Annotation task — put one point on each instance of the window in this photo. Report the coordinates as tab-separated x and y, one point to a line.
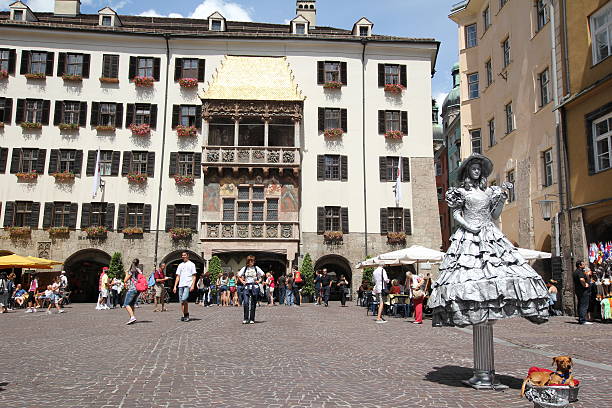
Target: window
250	205
66	162
221	132
6	106
300	28
476	141
491	125
135	216
548	167
602	141
182	215
392	74
72	112
29	160
332	72
23	214
438	168
601	33
471	39
502	3
272	209
139	162
185	164
332	219
229	211
486	18
440	193
395	222
61	215
392	121
364	31
506	51
107	21
544	79
18	15
106	162
392	168
74	64
110	66
332	119
34	111
511	192
38	63
281	132
97	216
190	67
509	118
142	114
473	85
332	167
216	25
187	115
5	56
489	71
251	132
542	14
108	114
145	67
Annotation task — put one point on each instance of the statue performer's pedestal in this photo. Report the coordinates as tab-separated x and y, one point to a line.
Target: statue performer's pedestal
484	360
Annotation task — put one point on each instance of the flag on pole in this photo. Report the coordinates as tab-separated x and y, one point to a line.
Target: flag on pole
398	184
97	181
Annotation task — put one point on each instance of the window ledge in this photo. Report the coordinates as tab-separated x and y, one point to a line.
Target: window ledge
542	107
599	62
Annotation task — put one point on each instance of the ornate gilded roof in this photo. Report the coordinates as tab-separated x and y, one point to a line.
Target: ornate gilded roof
254	79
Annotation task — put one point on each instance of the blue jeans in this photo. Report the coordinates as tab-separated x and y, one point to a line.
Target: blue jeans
130	298
249	301
183	294
281	295
583	304
289	298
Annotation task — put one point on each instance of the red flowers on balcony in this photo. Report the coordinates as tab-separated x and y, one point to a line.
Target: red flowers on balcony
31	125
72	78
27	176
394	134
138	178
396	237
183	180
180	233
394	88
333	132
68	126
186	131
332	85
188	82
39	75
58	231
64	176
143	81
140	130
96	232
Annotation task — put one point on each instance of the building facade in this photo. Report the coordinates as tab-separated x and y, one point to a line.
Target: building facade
216	137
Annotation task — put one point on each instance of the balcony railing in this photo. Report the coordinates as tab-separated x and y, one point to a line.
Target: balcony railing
250	230
250	156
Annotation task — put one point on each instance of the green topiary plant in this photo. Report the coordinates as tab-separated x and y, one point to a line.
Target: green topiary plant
115	268
307	275
214	268
368	275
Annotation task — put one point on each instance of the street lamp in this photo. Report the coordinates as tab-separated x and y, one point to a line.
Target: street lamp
546	206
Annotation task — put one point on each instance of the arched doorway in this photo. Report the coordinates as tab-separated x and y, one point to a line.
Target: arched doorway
172	261
83	270
336	265
267	261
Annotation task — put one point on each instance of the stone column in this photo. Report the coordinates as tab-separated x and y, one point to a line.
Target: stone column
266	132
236	124
205	132
296	132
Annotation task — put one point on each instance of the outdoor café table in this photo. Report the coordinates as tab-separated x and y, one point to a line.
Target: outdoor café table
397	299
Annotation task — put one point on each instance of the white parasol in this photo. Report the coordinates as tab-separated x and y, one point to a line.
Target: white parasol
415	253
531	254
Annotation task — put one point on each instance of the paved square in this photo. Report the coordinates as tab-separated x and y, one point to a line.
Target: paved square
293	357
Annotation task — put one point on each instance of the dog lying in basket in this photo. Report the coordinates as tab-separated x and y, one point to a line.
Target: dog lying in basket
541	377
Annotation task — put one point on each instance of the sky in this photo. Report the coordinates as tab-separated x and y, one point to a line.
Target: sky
405	18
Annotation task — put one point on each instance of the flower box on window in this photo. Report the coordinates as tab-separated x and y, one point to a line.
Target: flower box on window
394	134
332	85
183	180
132	231
28	176
58	231
180	233
96	231
332	236
188	82
140	130
137	178
143	81
64	176
31	125
106	80
68	126
105	128
19	232
73	78
394	88
3	74
40	75
334	132
396	237
186	131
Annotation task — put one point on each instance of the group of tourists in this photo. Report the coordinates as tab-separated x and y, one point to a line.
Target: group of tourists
13	295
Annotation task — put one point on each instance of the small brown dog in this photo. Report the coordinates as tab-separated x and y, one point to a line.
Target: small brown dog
563	375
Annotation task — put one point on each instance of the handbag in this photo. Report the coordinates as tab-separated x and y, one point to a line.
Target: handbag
384	291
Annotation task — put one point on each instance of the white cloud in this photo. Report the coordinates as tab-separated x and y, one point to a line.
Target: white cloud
231	11
34	5
439	97
153	13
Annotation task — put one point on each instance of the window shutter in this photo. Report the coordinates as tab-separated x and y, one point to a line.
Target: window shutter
48	215
172	166
83	114
405	169
46	112
85	214
197	165
175	115
25	59
109	217
78	163
35	215
132	69
20	111
201	70
343	76
15	160
156	68
382	127
193	218
115	66
320	220
72	219
86	64
403	76
151	164
121	217
407	222
147	218
115	163
343	120
320	167
381	74
170	217
178	68
343	168
8	111
320	72
127	161
50	58
321	119
53	159
9	211
12	60
119	117
61	63
404	115
153	121
95	113
90	169
198	119
57	113
40	161
3	159
384	218
344	220
129	116
382	168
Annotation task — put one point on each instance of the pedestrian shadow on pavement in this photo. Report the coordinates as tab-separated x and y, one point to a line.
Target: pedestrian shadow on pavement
142	321
453	375
2	385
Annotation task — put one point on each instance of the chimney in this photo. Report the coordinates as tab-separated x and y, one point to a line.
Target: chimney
68	8
308	10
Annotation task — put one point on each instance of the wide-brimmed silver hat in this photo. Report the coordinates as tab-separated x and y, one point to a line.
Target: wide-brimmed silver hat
485	163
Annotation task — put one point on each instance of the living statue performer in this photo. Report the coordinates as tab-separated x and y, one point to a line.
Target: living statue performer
483	278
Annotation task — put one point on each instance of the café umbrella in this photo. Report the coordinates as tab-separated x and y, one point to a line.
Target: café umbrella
45	261
18	261
530	254
376	261
415	253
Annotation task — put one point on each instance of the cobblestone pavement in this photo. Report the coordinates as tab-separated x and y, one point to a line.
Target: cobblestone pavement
293	357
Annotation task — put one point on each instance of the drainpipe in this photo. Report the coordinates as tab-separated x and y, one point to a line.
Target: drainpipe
163	148
364	42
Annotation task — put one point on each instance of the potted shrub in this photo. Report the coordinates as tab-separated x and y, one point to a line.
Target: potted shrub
137	178
333	132
394	134
143	81
140	130
19	232
106	80
188	82
3	74
97	231
67	127
180	233
307	271
105	128
28	176
31	125
63	176
40	75
332	237
72	78
132	231
394	88
183	180
396	237
186	131
58	231
332	85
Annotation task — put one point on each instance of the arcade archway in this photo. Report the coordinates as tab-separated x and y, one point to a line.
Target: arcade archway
83	270
336	265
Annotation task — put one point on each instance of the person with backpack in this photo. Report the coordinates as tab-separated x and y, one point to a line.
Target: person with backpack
133	276
250	275
298	285
185	281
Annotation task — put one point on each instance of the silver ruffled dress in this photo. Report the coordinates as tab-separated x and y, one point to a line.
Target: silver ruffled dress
482	276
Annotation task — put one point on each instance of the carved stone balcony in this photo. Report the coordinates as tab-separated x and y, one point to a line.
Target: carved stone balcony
241	156
277	230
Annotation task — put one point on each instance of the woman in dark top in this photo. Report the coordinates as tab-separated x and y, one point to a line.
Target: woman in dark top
343	288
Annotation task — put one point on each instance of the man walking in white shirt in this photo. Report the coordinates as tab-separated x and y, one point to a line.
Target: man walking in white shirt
185	281
380	290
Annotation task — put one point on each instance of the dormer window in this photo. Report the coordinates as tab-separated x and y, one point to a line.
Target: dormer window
18	15
364	31
363	28
300	28
107	21
108	18
216	25
216	22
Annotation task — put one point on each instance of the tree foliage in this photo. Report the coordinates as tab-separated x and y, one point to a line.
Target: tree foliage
307	275
368	275
214	268
116	269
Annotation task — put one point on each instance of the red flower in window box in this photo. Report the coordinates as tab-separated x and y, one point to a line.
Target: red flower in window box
186	131
96	232
105	128
19	232
394	134
332	85
109	80
180	233
3	74
68	126
137	178
40	75
140	130
58	231
334	132
183	180
132	230
28	176
188	82
143	81
31	125
73	78
394	88
396	237
64	176
332	236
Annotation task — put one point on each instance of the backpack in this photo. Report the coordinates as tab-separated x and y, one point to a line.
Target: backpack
151	281
298	277
141	283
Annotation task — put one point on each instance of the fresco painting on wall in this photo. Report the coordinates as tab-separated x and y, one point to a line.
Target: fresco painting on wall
210	199
289	199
